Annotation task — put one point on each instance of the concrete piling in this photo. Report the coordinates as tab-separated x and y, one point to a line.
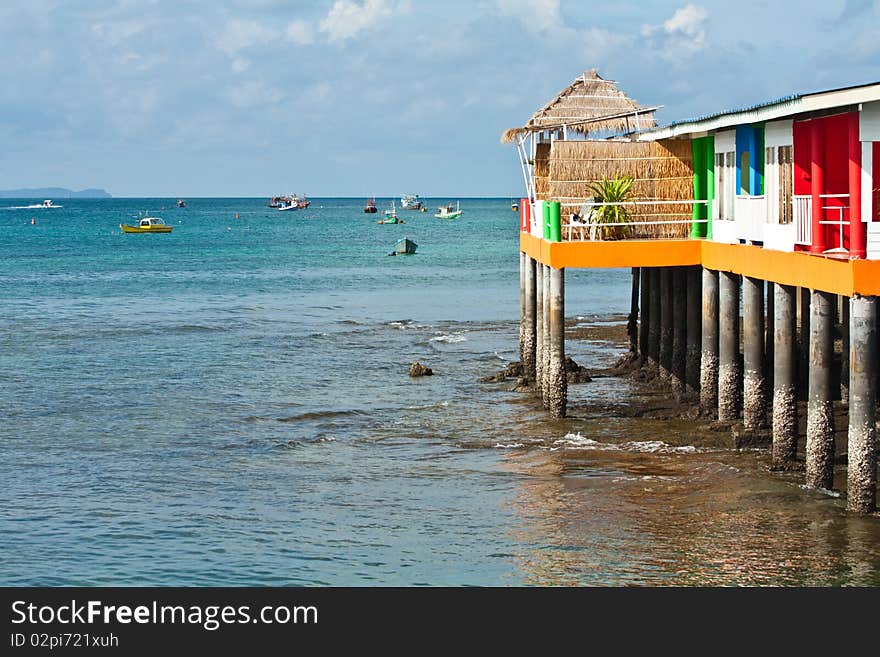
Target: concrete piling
709	342
654	323
754	385
539	329
769	343
557	383
803	339
785	422
527	323
861	475
694	330
679	329
545	388
522	305
820	421
644	310
632	321
844	352
666	330
729	374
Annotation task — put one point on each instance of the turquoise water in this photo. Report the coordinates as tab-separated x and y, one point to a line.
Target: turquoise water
230	404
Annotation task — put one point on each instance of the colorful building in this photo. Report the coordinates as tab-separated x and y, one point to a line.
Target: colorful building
754	238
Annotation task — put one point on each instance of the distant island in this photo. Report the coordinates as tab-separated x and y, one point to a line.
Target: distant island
53	192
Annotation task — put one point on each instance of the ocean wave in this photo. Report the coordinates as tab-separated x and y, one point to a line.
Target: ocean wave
509	446
428	407
449	339
577	441
823	491
304	417
657	447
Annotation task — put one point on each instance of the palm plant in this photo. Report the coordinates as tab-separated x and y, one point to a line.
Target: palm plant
612	190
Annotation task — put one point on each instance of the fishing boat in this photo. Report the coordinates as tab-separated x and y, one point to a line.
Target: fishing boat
277	201
370	206
514	206
449	211
410	202
390	216
181	203
404	246
301	203
147	225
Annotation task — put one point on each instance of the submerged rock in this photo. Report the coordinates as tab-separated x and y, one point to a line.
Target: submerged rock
417	369
512	371
575	373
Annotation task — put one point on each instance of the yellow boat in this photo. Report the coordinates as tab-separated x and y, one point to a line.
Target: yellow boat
147	225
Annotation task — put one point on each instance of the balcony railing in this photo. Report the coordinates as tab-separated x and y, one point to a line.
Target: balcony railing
803	219
582	226
750	213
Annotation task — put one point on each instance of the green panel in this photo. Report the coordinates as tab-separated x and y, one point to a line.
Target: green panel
555	221
703	152
710	184
546	220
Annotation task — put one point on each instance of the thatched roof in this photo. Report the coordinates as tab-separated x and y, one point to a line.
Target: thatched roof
588	104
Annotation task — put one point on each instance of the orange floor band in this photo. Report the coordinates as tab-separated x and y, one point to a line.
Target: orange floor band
846	277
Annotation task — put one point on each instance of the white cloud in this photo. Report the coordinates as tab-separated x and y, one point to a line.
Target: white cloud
240	34
684	31
539	15
240	65
346	18
300	32
252	93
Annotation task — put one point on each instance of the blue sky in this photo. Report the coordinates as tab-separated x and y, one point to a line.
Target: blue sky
360	97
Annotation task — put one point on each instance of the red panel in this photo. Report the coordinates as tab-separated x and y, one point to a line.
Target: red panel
801	133
876	182
833	131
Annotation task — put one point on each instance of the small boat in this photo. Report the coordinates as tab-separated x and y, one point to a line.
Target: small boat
292	202
181	203
370	206
390	216
514	206
287	203
277	201
147	225
449	211
404	246
410	202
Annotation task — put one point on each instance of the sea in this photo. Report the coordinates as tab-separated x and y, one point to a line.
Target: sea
230	404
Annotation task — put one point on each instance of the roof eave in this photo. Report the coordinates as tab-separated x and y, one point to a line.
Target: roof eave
814	102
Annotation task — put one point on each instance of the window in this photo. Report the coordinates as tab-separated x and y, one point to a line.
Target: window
725	184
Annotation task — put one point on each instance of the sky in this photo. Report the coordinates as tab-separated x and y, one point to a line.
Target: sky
373	97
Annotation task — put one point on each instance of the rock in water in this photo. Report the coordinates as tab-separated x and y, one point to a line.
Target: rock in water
417	369
575	373
514	370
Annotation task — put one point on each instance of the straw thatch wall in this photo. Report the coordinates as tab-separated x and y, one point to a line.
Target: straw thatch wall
542	170
661	170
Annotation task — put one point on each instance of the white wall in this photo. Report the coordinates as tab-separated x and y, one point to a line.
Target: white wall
778	133
869	122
